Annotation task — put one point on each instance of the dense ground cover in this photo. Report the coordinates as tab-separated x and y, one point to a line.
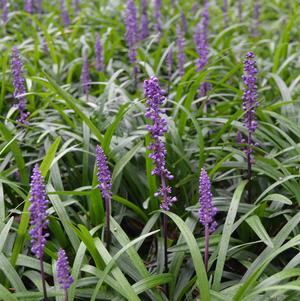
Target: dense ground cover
76	101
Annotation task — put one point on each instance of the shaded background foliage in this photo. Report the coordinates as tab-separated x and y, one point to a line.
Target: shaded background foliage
254	252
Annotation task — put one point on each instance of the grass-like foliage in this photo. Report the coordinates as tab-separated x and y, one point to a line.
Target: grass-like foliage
149	150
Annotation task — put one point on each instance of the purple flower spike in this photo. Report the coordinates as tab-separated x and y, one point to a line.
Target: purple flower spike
45	46
99	54
76	6
4	7
201	42
207	211
105	185
250	93
64	14
131	31
38	5
157	16
19	85
184	24
250	98
180	49
225	12
63	273
29	6
201	39
38	213
155	98
144	20
85	76
104	176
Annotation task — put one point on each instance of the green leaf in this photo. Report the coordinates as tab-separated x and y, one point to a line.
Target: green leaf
256	225
72	104
202	280
22	230
226	234
125	159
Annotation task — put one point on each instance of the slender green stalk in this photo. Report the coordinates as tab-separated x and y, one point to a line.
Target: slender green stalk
107	227
43	278
206	248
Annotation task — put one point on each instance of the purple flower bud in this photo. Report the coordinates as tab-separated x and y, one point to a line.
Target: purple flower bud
85	76
157	16
201	43
180	49
38	5
29	6
63	274
201	39
155	98
64	14
207	211
250	102
225	12
76	6
19	85
250	93
4	7
45	46
104	176
184	24
239	138
38	213
131	30
144	20
99	54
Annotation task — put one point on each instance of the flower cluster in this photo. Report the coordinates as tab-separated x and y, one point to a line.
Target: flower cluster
64	14
29	6
144	20
184	24
155	98
201	42
63	274
104	176
157	16
4	7
38	213
131	30
19	85
38	4
225	12
76	6
180	49
99	54
207	211
250	102
250	93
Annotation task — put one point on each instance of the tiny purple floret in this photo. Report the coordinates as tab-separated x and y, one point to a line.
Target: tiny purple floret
155	98
38	213
207	211
180	49
63	273
99	54
104	176
19	85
